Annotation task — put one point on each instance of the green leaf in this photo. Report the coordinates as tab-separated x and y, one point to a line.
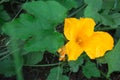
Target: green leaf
92	9
108	4
7	67
37	26
21	28
50	11
117	5
90	70
116	18
101	60
74	65
113	58
56	74
69	4
96	5
3	15
117	34
103	17
33	58
111	4
110	20
92	14
51	42
2	1
107	20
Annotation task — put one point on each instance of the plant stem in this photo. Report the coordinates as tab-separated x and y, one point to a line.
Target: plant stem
103	29
45	65
18	63
79	9
103	74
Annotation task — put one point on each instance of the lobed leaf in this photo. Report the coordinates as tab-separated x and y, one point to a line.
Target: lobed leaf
56	74
90	70
47	12
38	27
112	59
74	65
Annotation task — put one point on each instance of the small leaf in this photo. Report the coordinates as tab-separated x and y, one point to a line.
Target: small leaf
56	74
90	70
7	67
33	58
113	58
74	65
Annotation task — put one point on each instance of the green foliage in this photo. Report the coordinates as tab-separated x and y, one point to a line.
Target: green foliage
101	60
102	12
7	67
90	70
111	4
74	65
92	10
69	4
34	31
17	57
33	58
56	74
2	1
56	13
39	25
107	20
116	18
112	59
117	34
3	16
92	4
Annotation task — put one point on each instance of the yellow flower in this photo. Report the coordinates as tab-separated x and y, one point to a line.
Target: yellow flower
82	37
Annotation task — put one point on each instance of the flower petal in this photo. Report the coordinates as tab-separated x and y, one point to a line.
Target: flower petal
71	28
98	44
74	28
73	50
87	29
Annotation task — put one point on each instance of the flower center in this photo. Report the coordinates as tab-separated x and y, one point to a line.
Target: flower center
79	40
